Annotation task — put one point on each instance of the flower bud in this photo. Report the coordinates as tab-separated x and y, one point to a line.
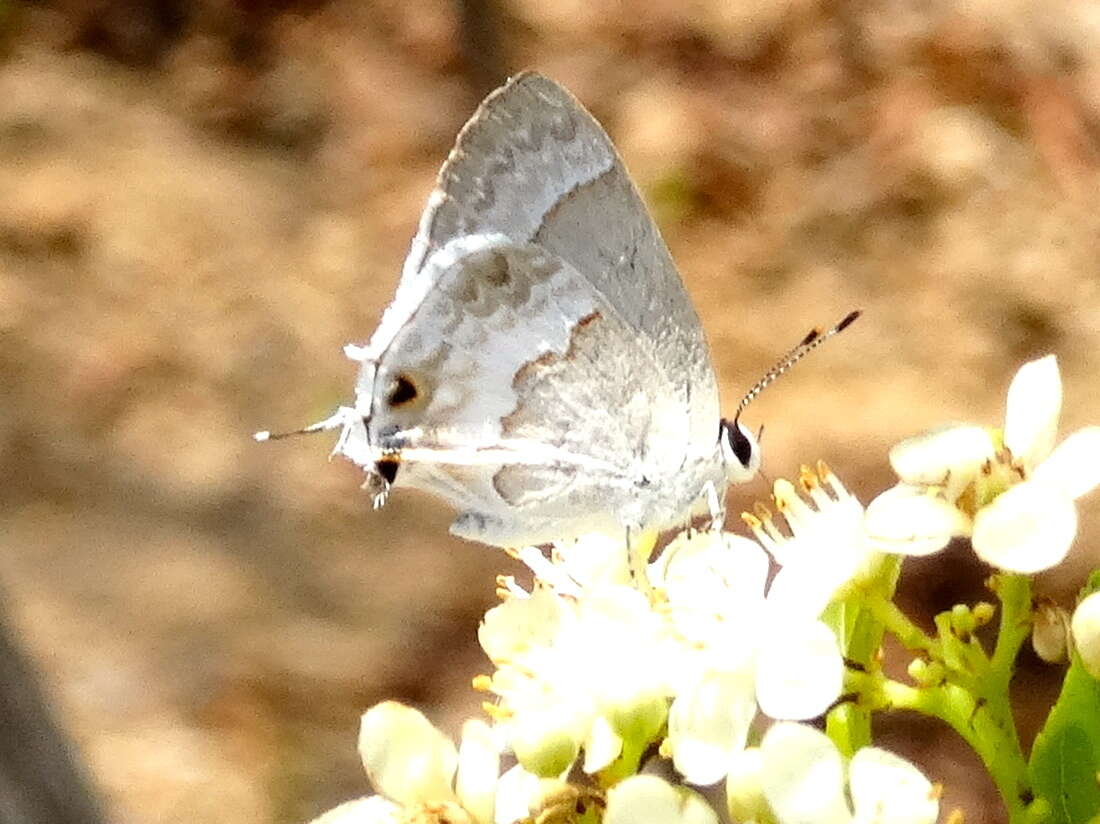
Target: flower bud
639	719
926	673
545	744
1050	633
407	759
984	612
1086	633
962	620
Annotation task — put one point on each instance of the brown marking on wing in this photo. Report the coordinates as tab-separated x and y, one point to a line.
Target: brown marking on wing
532	368
519	485
494	277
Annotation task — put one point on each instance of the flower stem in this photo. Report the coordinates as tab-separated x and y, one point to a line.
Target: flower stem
849	727
1014	592
859	630
975	701
983	726
901	626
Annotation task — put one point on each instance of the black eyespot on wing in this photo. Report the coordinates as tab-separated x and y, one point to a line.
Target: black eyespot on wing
739	443
387	469
404	391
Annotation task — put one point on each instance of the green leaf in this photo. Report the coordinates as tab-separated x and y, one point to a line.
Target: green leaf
1065	760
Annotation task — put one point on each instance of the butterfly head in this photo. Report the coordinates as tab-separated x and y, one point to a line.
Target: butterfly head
740	451
740	448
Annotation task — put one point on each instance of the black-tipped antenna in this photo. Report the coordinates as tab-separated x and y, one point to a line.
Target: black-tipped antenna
814	339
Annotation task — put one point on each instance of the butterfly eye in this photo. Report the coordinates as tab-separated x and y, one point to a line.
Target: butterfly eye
740	444
403	392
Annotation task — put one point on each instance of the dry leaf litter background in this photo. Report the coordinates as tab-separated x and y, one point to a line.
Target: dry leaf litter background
200	203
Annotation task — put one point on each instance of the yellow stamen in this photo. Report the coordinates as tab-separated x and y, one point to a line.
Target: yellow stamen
495	711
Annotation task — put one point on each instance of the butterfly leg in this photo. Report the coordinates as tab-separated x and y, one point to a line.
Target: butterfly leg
716	506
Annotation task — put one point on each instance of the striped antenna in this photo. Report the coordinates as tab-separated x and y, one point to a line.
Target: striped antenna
814	339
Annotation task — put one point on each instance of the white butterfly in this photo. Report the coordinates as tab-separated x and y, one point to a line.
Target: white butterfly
541	367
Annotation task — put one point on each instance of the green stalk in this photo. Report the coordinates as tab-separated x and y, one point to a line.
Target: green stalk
902	627
1014	591
988	731
860	632
974	701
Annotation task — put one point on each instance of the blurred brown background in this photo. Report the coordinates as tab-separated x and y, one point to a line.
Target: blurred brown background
200	203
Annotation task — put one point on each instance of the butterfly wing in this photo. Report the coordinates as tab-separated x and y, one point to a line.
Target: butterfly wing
535	247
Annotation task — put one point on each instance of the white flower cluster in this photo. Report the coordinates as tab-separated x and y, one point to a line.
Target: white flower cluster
797	775
1010	490
593	670
592	665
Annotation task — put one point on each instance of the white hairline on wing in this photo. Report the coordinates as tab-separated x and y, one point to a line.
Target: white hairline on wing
508	452
503	451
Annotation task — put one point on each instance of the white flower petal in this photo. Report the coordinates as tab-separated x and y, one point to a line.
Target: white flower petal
602	746
907	520
370	810
595	559
1027	528
713	585
799	671
951	455
406	758
829	550
887	789
647	799
517	792
802	590
478	769
709	722
511	628
804	587
1074	465
803	776
1032	410
711	570
1086	633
